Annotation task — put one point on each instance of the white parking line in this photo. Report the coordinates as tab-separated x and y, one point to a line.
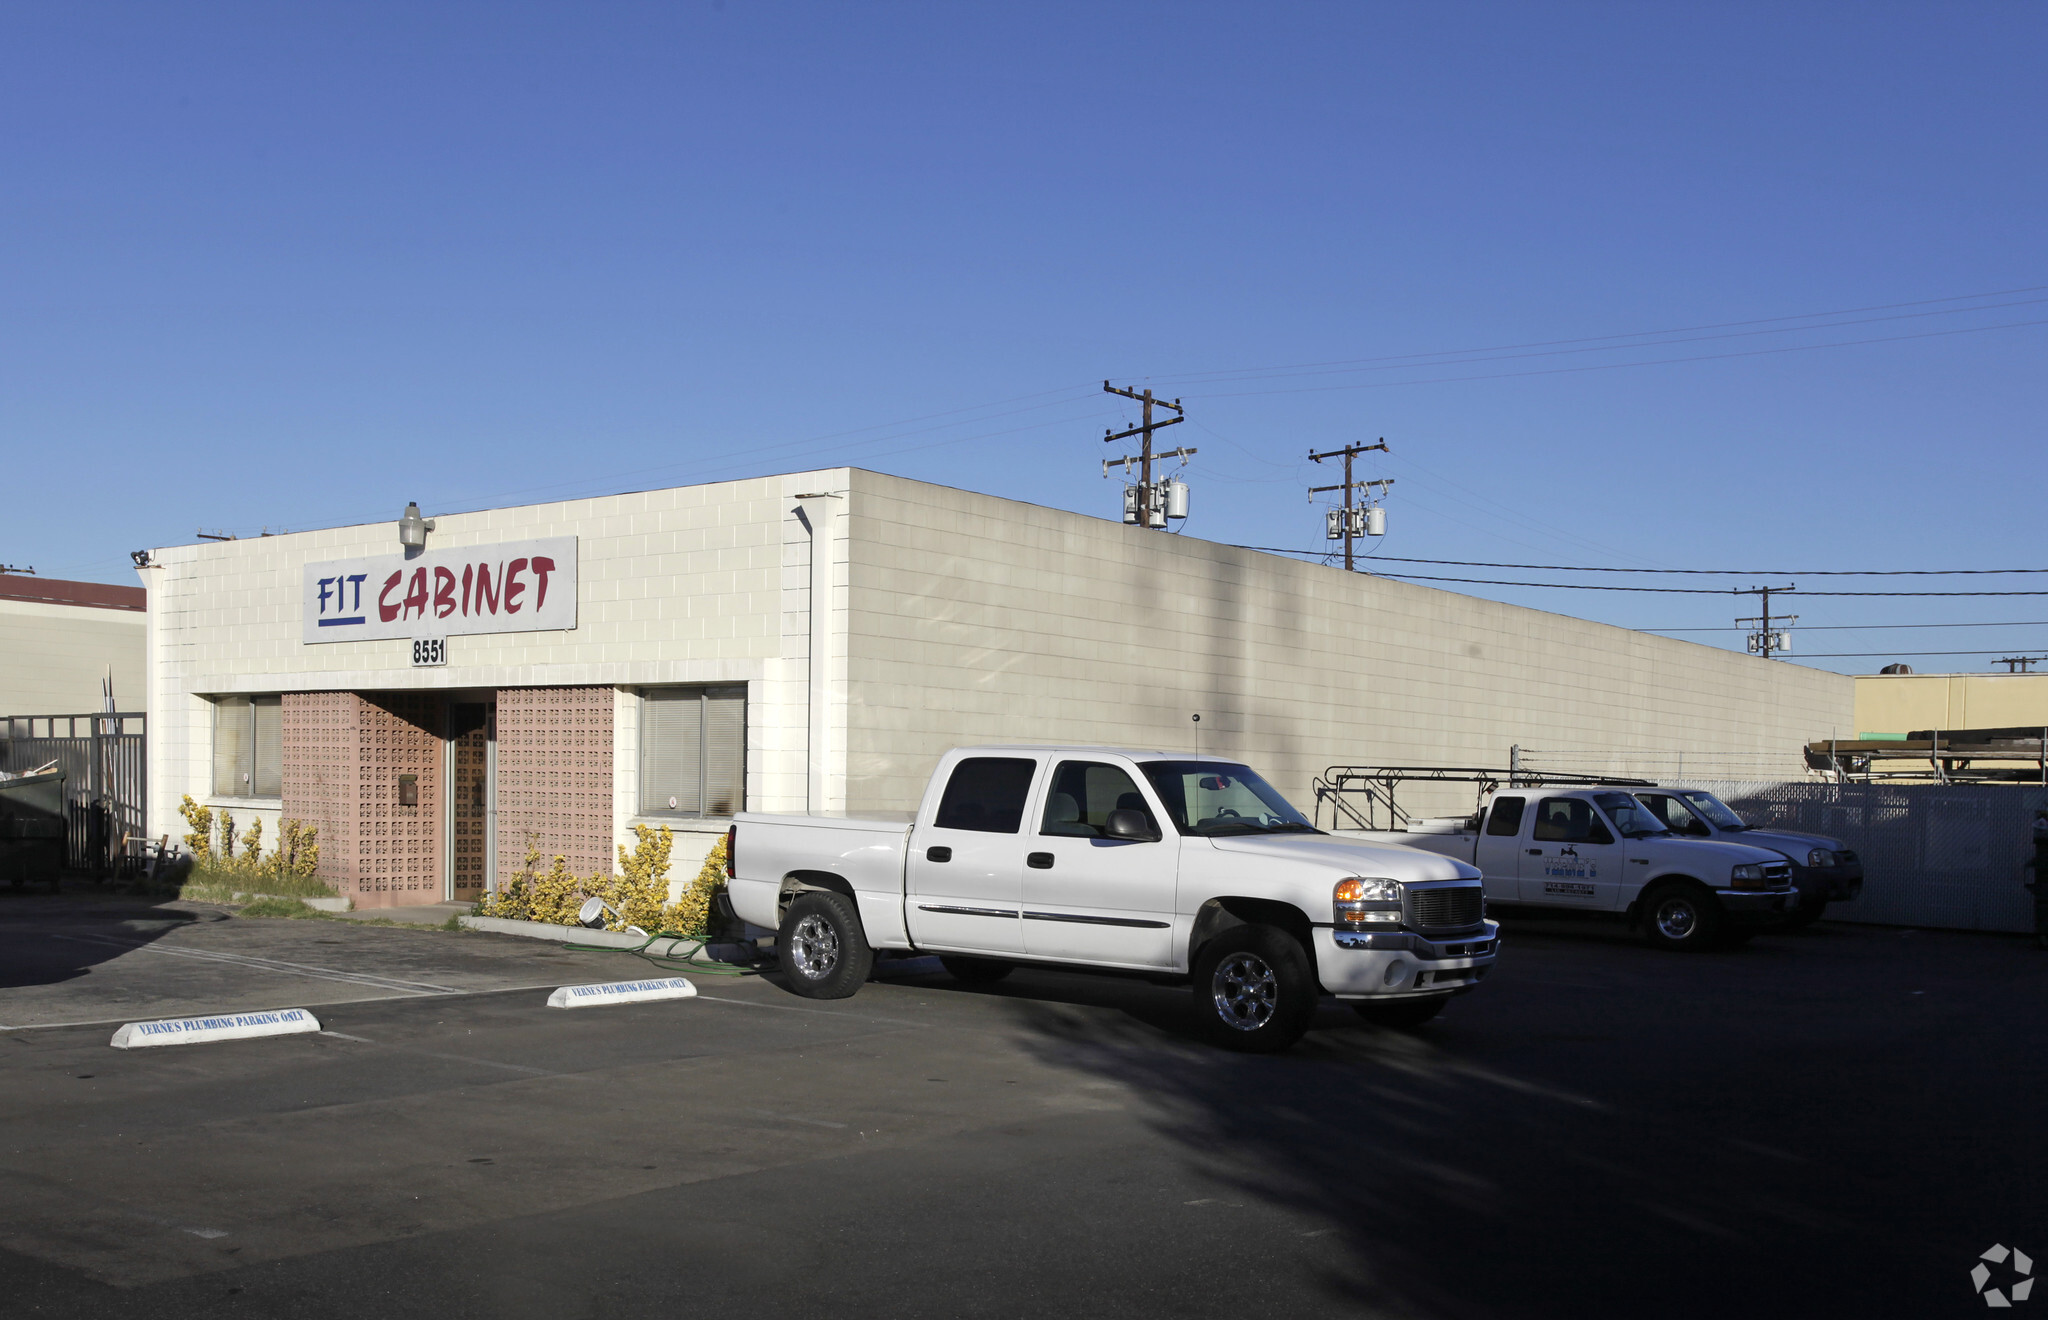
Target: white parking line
457	1058
272	965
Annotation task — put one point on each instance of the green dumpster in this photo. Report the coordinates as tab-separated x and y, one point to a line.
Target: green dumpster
32	830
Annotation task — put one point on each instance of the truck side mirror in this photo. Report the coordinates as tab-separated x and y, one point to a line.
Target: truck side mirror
1130	826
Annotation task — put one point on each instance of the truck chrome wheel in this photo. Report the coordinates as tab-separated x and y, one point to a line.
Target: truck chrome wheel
1246	990
824	952
814	948
1676	918
1682	915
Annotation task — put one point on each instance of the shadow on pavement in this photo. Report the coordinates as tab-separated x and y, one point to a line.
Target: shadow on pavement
47	939
1672	1136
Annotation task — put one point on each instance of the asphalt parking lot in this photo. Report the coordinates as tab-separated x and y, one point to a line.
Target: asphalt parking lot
1834	1123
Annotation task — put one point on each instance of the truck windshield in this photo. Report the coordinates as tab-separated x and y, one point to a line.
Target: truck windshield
1714	809
1631	818
1211	798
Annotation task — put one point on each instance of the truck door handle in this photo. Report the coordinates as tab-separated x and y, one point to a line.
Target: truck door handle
938	854
1039	861
1535	852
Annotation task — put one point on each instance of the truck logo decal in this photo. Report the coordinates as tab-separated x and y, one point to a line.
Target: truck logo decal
1567	890
1575	870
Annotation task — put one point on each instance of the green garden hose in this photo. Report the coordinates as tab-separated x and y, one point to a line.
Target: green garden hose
671	961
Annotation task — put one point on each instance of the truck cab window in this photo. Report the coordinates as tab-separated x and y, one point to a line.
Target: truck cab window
1212	798
1714	809
1084	793
1673	812
1631	817
1568	820
1505	817
986	794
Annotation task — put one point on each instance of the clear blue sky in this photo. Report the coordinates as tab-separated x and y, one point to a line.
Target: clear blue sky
293	265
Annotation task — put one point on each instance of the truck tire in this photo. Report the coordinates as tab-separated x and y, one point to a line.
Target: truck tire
975	971
1682	917
822	948
1255	991
1400	1014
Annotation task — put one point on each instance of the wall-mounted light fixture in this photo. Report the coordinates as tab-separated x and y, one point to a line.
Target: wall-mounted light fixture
413	529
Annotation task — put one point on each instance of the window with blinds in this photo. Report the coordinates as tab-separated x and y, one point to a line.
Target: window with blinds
693	751
248	747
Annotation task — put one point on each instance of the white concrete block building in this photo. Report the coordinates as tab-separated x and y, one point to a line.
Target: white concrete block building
60	639
553	674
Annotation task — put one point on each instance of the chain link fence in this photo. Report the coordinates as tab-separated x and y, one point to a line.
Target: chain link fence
1948	856
1939	855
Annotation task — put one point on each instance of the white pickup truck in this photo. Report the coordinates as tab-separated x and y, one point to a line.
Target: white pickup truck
1600	850
1150	862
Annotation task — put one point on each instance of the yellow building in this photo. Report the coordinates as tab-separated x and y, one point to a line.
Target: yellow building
1893	705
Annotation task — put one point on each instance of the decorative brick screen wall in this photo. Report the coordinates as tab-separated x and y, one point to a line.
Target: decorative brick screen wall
555	777
344	754
320	774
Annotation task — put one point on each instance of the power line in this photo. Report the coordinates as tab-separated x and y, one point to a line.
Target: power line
1455	360
1602	586
1616	366
1866	655
1415	358
1721	572
1866	627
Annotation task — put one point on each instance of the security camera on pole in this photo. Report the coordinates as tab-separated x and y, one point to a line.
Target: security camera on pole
1149	503
1349	521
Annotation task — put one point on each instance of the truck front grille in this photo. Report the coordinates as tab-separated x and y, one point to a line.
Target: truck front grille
1445	909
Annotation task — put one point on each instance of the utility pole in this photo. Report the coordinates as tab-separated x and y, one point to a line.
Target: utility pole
1151	505
2020	664
1351	527
1764	641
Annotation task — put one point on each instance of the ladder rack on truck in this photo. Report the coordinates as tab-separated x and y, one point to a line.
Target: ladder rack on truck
1356	793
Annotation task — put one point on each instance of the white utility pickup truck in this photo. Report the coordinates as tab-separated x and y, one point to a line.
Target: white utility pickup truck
1150	862
1824	870
1600	850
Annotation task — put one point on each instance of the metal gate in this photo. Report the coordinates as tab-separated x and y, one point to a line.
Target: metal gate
105	766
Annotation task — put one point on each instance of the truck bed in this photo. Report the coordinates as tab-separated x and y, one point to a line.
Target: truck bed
867	850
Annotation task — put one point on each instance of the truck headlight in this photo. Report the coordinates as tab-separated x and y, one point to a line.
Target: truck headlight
1748	876
1820	857
1360	902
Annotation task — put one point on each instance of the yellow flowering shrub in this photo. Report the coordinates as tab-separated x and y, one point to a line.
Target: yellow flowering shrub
222	860
636	896
692	913
199	842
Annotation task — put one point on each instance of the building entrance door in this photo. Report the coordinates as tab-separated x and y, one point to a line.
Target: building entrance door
472	798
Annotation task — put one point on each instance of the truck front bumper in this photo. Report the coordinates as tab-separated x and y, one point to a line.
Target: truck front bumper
1757	907
1828	884
1392	964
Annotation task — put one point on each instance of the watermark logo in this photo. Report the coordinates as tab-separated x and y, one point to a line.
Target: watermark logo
2017	1276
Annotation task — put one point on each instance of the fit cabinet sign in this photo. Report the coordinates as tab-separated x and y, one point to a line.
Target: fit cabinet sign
514	586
